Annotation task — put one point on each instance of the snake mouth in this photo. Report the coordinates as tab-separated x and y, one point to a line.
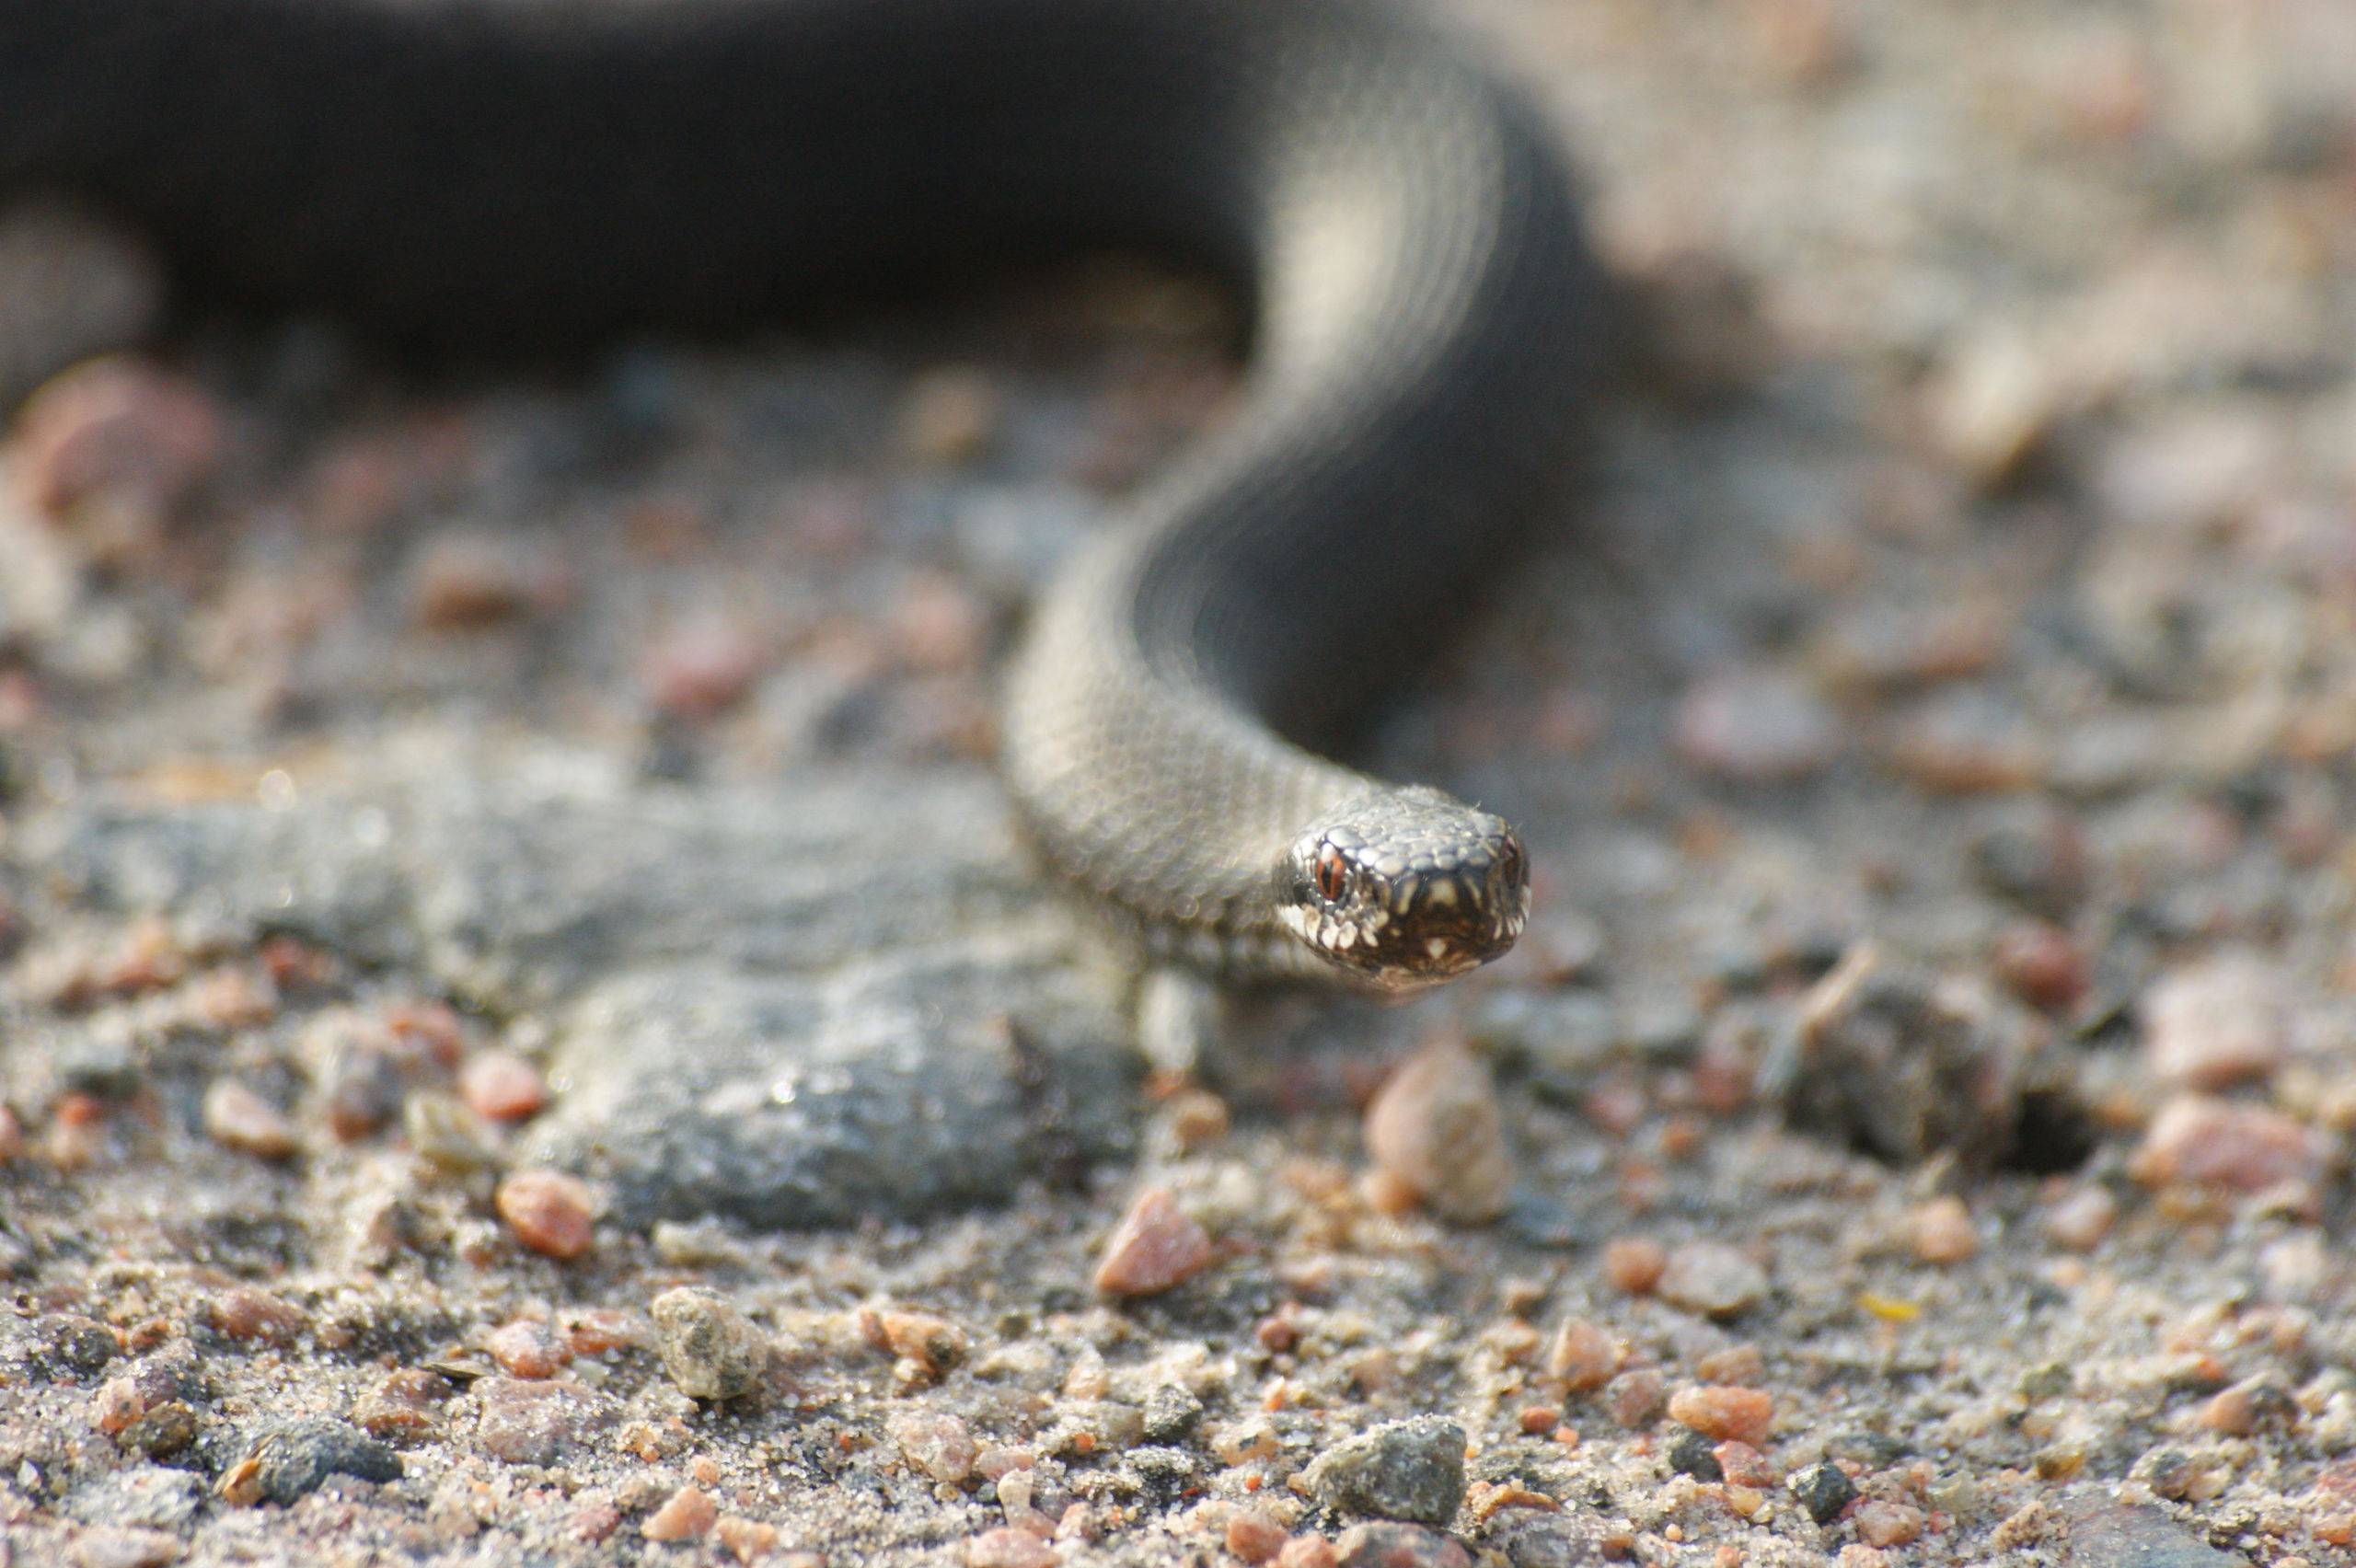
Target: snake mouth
1405	889
1410	955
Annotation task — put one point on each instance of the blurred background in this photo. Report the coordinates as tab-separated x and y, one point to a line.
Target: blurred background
1963	604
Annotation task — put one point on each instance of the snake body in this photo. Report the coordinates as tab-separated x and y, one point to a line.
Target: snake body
509	175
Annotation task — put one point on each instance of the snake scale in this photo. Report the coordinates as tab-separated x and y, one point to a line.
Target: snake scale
502	175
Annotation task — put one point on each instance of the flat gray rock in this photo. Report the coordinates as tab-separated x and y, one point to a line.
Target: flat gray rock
793	1006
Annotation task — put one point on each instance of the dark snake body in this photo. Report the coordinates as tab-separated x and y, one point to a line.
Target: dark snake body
512	175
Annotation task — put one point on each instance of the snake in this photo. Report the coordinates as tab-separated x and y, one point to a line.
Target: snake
1425	320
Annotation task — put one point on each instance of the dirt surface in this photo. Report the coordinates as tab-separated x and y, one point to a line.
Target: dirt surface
487	870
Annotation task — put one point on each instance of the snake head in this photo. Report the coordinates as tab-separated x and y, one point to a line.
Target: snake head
1405	888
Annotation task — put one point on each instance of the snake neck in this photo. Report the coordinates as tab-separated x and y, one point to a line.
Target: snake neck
513	175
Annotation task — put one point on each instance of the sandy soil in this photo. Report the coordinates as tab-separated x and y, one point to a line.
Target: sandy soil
1915	1133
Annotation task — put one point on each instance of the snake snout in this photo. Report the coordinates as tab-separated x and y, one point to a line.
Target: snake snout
1405	888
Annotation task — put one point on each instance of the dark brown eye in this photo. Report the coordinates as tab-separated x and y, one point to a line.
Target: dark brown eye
1332	876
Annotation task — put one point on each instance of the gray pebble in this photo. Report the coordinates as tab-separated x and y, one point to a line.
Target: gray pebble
1694	1455
1399	1546
710	1350
1823	1490
1403	1470
1713	1279
76	1346
296	1456
1171	1411
2104	1533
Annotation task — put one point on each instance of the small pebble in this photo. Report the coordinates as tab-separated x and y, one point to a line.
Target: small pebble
1635	1264
1824	1489
1941	1231
2106	1530
1079	1522
688	1512
1156	1247
703	670
551	1213
1254	1536
747	1540
115	434
1693	1454
1744	1465
2081	1217
249	1312
119	1402
465	581
1756	726
939	625
594	1518
1966	742
2215	1023
446	1134
1196	1119
500	1086
402	1406
290	1458
1583	1355
1886	647
709	1348
938	1444
362	1090
931	1342
77	1346
1403	1470
2227	1145
1564	946
239	1118
1398	1546
1436	1128
2042	861
536	1422
1172	1413
228	999
1953	1492
1308	1551
2043	964
526	1348
1733	1364
949	415
1634	1398
162	1430
1991	404
2247	1407
1721	1412
433	1029
1713	1279
1880	1523
597	1331
1007	1547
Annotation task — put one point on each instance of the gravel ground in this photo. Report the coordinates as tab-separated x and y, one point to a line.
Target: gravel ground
527	1038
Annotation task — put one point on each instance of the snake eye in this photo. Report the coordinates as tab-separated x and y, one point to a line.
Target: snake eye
1333	875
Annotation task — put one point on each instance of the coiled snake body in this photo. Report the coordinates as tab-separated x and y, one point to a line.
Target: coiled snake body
521	173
